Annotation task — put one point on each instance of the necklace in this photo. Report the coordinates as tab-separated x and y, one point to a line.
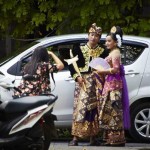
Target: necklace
90	47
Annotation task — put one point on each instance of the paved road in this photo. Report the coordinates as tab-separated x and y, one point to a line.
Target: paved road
83	146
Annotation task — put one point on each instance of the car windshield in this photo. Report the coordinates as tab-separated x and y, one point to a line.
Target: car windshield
20	50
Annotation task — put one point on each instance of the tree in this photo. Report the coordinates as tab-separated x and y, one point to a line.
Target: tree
46	17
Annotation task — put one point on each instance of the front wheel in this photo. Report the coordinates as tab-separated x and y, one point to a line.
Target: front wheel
140	122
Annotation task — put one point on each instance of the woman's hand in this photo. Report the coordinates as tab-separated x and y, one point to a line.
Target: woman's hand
58	62
98	71
95	71
108	71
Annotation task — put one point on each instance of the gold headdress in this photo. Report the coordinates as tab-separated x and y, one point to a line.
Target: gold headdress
95	29
113	29
118	32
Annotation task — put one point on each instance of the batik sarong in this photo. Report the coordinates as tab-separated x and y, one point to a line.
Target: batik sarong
85	115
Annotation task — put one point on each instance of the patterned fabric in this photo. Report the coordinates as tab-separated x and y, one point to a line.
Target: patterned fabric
85	115
83	100
111	113
99	80
40	85
86	128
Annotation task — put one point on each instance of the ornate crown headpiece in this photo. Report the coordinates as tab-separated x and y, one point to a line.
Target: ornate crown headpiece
95	29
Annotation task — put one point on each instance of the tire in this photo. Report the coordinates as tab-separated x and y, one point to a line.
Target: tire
140	122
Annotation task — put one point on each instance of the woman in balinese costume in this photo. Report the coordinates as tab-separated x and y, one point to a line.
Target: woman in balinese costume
114	103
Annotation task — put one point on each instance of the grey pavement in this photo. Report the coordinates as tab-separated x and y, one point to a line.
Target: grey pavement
83	146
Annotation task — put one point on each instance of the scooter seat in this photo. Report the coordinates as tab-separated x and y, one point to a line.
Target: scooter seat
25	103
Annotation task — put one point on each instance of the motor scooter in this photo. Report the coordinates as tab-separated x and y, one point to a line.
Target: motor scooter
21	120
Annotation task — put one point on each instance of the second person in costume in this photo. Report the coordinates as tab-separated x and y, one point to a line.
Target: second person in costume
114	103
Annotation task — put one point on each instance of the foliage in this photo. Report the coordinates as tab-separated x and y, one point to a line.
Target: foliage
64	133
25	17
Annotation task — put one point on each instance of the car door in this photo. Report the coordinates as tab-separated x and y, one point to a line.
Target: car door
64	85
64	88
133	53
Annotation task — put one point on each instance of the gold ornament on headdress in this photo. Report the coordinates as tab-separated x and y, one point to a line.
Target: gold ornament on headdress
113	29
95	29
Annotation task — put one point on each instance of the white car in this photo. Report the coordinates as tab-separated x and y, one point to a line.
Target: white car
135	57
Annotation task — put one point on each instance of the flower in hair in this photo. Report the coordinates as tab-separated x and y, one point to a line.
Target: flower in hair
118	40
113	29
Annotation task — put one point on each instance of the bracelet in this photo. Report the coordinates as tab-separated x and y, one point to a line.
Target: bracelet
110	70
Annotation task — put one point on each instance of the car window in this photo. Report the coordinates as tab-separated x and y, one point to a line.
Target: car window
17	68
131	52
62	50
